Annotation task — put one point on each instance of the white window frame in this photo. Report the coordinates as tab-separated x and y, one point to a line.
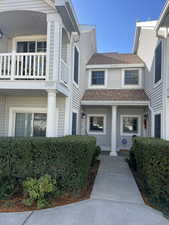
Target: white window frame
74	82
137	86
12	116
139	125
104	124
27	38
90	85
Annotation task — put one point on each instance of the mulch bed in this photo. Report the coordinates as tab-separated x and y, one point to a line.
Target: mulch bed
15	204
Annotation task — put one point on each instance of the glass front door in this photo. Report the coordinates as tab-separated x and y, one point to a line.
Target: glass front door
30	124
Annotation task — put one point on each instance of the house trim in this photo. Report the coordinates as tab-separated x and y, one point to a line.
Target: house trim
14	110
137	86
135	103
121	125
111	66
104	124
90	86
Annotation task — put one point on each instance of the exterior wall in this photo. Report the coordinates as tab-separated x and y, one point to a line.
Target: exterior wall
104	140
33	5
114	78
87	47
28	102
127	111
148	40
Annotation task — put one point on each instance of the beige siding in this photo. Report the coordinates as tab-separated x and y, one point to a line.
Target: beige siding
33	5
29	102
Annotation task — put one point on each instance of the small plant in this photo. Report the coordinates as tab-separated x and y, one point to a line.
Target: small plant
38	190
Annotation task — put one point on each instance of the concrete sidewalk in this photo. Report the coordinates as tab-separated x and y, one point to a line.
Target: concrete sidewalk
115	200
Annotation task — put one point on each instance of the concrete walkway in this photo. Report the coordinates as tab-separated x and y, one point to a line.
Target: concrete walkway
115	200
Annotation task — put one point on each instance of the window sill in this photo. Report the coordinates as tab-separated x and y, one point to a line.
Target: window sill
96	133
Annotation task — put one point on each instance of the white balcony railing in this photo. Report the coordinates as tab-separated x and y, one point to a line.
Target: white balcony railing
16	66
64	72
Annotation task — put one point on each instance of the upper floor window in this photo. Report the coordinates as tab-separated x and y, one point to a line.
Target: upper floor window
76	65
158	62
131	77
98	78
31	46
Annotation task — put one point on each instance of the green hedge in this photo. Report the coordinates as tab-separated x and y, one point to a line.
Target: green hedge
150	158
65	159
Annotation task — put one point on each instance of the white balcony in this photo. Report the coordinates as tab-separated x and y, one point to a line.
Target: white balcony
23	66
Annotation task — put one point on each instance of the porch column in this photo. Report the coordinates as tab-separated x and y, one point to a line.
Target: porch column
51	114
114	132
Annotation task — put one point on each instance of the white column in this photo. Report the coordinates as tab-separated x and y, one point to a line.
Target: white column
51	114
114	132
53	47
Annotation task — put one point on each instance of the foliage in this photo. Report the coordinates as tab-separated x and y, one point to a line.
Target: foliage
38	190
149	157
67	160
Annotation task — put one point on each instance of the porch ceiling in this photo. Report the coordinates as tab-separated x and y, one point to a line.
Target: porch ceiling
19	23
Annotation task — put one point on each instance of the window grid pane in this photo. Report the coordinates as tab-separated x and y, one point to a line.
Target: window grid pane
98	78
96	124
130	125
131	77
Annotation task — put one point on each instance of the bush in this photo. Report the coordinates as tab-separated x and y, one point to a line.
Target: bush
150	158
37	190
96	154
65	159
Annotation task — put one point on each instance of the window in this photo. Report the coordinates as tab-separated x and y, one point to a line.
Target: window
130	125
131	77
76	65
96	124
158	61
30	124
98	78
157	127
74	123
31	46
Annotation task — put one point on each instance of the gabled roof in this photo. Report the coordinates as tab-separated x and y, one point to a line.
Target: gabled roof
114	58
115	95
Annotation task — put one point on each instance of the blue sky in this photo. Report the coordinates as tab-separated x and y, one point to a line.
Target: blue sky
115	20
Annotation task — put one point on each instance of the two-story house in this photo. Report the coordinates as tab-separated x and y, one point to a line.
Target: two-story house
114	105
43	51
54	83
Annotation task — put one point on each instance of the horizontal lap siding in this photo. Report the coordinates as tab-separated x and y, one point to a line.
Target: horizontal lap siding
33	5
29	102
157	99
76	98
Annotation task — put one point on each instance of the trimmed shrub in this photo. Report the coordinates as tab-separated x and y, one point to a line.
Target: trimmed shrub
65	159
38	190
150	158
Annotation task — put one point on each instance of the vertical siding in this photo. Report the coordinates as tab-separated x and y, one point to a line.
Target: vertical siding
29	102
33	5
